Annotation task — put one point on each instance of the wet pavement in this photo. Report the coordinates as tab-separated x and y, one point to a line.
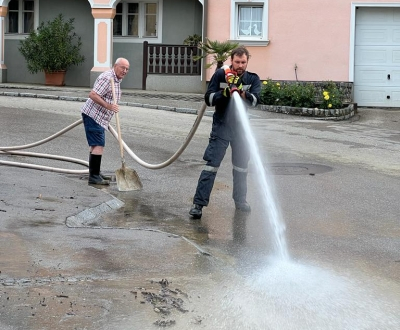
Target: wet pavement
76	257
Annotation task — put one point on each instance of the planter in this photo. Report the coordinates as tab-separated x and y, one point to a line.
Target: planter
56	78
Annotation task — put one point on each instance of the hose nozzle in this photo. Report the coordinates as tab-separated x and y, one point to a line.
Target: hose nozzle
234	88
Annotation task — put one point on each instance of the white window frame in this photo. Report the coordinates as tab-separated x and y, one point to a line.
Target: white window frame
20	34
142	13
251	40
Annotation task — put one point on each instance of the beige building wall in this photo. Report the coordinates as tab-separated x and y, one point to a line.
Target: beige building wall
314	35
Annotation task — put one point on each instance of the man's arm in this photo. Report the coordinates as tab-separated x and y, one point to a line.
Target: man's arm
99	100
214	95
102	87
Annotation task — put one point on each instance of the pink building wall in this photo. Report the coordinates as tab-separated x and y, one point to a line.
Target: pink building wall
312	34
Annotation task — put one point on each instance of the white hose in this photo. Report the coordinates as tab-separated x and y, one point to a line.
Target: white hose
11	151
175	155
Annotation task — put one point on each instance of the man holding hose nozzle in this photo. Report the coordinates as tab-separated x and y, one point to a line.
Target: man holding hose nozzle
226	129
97	113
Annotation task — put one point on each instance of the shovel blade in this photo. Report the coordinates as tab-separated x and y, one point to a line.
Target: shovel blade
127	179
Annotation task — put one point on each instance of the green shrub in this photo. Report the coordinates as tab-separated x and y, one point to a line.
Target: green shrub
297	95
192	40
270	92
332	97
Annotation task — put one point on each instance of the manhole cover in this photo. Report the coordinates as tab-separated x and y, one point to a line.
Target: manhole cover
297	169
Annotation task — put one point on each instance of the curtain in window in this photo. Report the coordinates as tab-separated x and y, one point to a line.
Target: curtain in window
28	15
117	22
133	19
13	16
151	20
250	21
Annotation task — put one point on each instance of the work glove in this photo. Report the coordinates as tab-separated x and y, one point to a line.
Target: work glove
229	74
227	92
236	88
230	89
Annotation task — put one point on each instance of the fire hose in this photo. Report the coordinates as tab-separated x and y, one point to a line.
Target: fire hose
13	150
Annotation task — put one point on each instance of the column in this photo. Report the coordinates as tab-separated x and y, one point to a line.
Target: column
3	68
103	41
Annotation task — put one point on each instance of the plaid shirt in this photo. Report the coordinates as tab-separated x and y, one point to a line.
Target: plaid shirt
102	87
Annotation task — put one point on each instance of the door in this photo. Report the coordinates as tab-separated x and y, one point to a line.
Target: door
377	57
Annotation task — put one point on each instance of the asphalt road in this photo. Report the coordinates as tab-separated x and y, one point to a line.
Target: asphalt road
336	186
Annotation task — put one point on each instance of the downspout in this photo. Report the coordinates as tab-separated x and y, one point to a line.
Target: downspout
204	34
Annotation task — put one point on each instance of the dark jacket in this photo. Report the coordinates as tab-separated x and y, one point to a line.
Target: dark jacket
214	97
225	120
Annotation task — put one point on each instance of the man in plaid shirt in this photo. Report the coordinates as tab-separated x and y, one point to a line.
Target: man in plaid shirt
97	113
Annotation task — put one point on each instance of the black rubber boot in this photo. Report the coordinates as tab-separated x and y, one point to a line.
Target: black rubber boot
106	177
94	171
243	206
196	211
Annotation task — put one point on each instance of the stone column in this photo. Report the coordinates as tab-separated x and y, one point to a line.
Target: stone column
103	41
3	68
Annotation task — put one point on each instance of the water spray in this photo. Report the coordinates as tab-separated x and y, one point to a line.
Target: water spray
268	200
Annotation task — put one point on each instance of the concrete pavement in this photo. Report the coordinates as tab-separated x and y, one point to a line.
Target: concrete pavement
75	257
61	276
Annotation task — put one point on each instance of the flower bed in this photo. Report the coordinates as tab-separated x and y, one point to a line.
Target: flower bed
325	99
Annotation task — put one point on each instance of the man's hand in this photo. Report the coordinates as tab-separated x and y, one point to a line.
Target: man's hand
98	99
229	74
235	80
236	88
113	107
227	92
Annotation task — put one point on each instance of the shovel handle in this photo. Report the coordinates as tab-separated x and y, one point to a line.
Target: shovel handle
121	147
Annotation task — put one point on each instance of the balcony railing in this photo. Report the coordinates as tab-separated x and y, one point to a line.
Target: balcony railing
169	60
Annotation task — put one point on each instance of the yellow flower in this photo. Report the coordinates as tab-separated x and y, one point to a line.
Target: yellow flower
326	97
278	84
325	93
329	105
265	82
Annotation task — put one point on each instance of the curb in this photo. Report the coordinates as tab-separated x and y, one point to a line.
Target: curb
83	99
318	114
89	215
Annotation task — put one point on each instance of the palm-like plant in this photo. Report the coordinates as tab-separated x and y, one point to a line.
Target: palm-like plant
220	51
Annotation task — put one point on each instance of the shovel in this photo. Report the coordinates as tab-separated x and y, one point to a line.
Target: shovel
127	179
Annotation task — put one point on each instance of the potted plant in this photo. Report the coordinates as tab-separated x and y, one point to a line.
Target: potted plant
220	51
192	40
52	48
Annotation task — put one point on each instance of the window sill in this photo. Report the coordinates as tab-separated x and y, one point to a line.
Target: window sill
256	43
15	36
127	39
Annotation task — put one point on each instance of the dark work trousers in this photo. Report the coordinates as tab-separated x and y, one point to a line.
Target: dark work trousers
214	155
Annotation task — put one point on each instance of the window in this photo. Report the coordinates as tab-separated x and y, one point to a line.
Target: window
137	19
249	21
21	16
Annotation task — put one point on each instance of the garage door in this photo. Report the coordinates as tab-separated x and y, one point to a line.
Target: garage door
377	57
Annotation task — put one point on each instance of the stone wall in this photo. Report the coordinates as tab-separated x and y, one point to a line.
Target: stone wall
325	114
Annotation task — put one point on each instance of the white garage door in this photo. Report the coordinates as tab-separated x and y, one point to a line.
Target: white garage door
377	57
